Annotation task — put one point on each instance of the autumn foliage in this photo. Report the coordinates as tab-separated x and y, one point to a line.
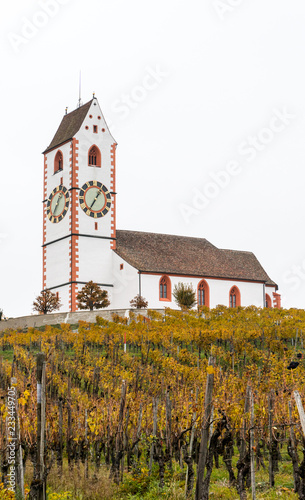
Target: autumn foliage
92	297
138	302
46	302
137	410
185	296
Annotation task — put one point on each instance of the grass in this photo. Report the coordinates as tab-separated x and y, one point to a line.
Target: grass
7	355
144	487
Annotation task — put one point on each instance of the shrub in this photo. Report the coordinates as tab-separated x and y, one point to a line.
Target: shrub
185	296
138	302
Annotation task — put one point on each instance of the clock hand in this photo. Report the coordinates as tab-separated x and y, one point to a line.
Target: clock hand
99	192
57	203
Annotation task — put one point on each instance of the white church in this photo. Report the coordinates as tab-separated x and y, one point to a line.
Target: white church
81	241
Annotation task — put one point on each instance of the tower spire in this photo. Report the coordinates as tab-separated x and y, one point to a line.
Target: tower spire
80	90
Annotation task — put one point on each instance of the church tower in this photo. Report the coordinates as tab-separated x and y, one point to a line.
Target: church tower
79	212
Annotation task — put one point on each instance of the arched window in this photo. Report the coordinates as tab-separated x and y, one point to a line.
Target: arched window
234	297
203	294
165	292
268	300
58	162
94	157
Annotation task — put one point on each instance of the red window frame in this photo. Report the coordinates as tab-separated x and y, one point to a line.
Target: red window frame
58	162
94	157
165	289
203	294
234	297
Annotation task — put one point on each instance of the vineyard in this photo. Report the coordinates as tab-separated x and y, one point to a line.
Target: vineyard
163	403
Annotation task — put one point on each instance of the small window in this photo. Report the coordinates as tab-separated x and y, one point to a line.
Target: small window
58	162
95	226
95	129
234	297
165	288
121	267
94	157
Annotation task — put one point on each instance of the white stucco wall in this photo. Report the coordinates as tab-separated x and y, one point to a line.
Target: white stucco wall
60	229
63	293
126	283
95	260
251	293
58	270
104	141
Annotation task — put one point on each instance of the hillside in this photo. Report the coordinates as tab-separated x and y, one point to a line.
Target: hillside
136	413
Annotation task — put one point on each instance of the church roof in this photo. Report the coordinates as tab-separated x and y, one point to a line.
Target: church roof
181	255
69	126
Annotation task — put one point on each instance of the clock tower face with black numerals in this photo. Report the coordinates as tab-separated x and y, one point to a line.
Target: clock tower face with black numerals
79	227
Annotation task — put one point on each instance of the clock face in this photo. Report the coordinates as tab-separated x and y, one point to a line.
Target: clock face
95	199
57	204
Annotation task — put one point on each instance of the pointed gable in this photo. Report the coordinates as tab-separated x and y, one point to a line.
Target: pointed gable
69	126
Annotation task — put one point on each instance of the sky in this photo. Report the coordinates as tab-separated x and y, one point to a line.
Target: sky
206	102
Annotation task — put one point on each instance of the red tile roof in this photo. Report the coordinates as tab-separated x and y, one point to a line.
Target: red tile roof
168	254
69	126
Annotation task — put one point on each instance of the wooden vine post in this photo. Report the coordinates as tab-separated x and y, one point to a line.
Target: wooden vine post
155	427
271	439
298	470
115	470
189	480
38	486
293	451
15	441
243	464
252	447
300	408
208	405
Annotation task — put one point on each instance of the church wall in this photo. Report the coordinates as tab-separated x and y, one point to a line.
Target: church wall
55	231
88	256
104	141
64	295
126	283
57	258
251	293
95	260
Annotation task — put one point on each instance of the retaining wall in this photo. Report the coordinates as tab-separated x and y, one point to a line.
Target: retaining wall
70	317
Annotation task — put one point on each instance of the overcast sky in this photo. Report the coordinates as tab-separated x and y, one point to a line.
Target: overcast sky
206	101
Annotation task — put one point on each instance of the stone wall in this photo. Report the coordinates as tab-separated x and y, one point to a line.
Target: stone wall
71	318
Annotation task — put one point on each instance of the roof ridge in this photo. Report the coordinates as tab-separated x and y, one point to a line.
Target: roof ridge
239	251
79	107
69	126
165	234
